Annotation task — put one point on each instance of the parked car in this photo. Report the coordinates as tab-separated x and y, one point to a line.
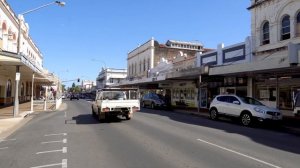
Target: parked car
74	96
153	100
247	109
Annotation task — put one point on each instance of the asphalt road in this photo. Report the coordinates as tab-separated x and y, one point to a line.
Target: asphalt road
152	139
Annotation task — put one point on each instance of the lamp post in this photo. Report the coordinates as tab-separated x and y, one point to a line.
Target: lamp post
20	19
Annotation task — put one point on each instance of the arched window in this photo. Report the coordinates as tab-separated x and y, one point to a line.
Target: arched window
298	25
4	27
266	33
8	88
285	28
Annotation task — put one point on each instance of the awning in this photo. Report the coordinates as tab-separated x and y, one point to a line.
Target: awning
9	61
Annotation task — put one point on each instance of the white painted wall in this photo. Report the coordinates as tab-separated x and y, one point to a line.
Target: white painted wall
273	11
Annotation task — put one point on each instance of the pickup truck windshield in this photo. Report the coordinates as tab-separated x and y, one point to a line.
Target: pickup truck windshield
114	95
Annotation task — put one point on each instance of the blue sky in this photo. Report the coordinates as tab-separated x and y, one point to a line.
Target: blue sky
80	38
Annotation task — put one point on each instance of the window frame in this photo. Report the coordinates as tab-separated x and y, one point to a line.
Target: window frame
285	35
265	33
297	21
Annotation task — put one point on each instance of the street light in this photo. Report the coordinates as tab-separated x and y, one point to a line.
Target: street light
96	60
20	18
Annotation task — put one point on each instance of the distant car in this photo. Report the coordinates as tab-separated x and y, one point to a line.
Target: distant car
74	96
153	100
247	109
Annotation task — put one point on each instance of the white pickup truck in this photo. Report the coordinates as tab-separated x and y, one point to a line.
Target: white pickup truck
116	102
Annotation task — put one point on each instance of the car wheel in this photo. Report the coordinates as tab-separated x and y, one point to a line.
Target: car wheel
213	114
246	119
152	105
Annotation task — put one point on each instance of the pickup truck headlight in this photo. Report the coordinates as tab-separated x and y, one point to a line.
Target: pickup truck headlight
259	110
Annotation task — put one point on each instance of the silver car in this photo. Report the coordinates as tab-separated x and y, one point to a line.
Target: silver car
245	108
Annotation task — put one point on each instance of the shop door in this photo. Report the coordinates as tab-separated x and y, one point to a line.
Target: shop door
296	97
203	98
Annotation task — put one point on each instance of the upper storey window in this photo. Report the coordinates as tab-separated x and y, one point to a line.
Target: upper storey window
298	25
285	28
266	33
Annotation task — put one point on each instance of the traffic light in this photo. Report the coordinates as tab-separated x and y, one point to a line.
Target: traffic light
78	80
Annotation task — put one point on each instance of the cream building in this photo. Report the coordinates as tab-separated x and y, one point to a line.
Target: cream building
27	66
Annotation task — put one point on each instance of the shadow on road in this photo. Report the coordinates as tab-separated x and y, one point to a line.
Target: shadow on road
90	119
268	135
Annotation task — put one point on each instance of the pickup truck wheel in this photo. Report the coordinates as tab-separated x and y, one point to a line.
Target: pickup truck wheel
101	116
93	112
128	116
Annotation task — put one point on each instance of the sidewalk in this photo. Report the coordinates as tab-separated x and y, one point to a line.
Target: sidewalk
8	121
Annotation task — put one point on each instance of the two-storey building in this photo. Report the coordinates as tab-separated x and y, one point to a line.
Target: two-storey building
25	65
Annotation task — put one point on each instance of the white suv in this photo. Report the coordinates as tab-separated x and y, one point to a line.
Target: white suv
245	108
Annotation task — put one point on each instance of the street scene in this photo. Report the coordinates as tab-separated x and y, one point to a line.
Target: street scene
131	84
72	137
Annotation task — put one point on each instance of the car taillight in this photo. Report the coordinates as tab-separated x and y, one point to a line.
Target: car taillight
135	109
105	109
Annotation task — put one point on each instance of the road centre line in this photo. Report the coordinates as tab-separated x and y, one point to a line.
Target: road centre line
4	148
238	153
63	141
63	150
63	164
64	134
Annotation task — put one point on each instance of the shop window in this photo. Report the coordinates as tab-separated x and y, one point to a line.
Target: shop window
285	98
298	25
189	94
267	94
265	33
285	28
22	89
193	94
8	88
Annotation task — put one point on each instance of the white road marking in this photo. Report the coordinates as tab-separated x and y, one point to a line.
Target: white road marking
64	134
4	148
238	153
63	150
63	141
63	164
3	140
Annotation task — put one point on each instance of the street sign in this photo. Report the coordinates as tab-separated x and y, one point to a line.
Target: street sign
18	75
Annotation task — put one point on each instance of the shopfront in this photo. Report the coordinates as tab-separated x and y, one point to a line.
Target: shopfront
277	92
184	94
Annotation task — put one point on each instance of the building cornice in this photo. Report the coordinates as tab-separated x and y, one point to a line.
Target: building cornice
257	3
